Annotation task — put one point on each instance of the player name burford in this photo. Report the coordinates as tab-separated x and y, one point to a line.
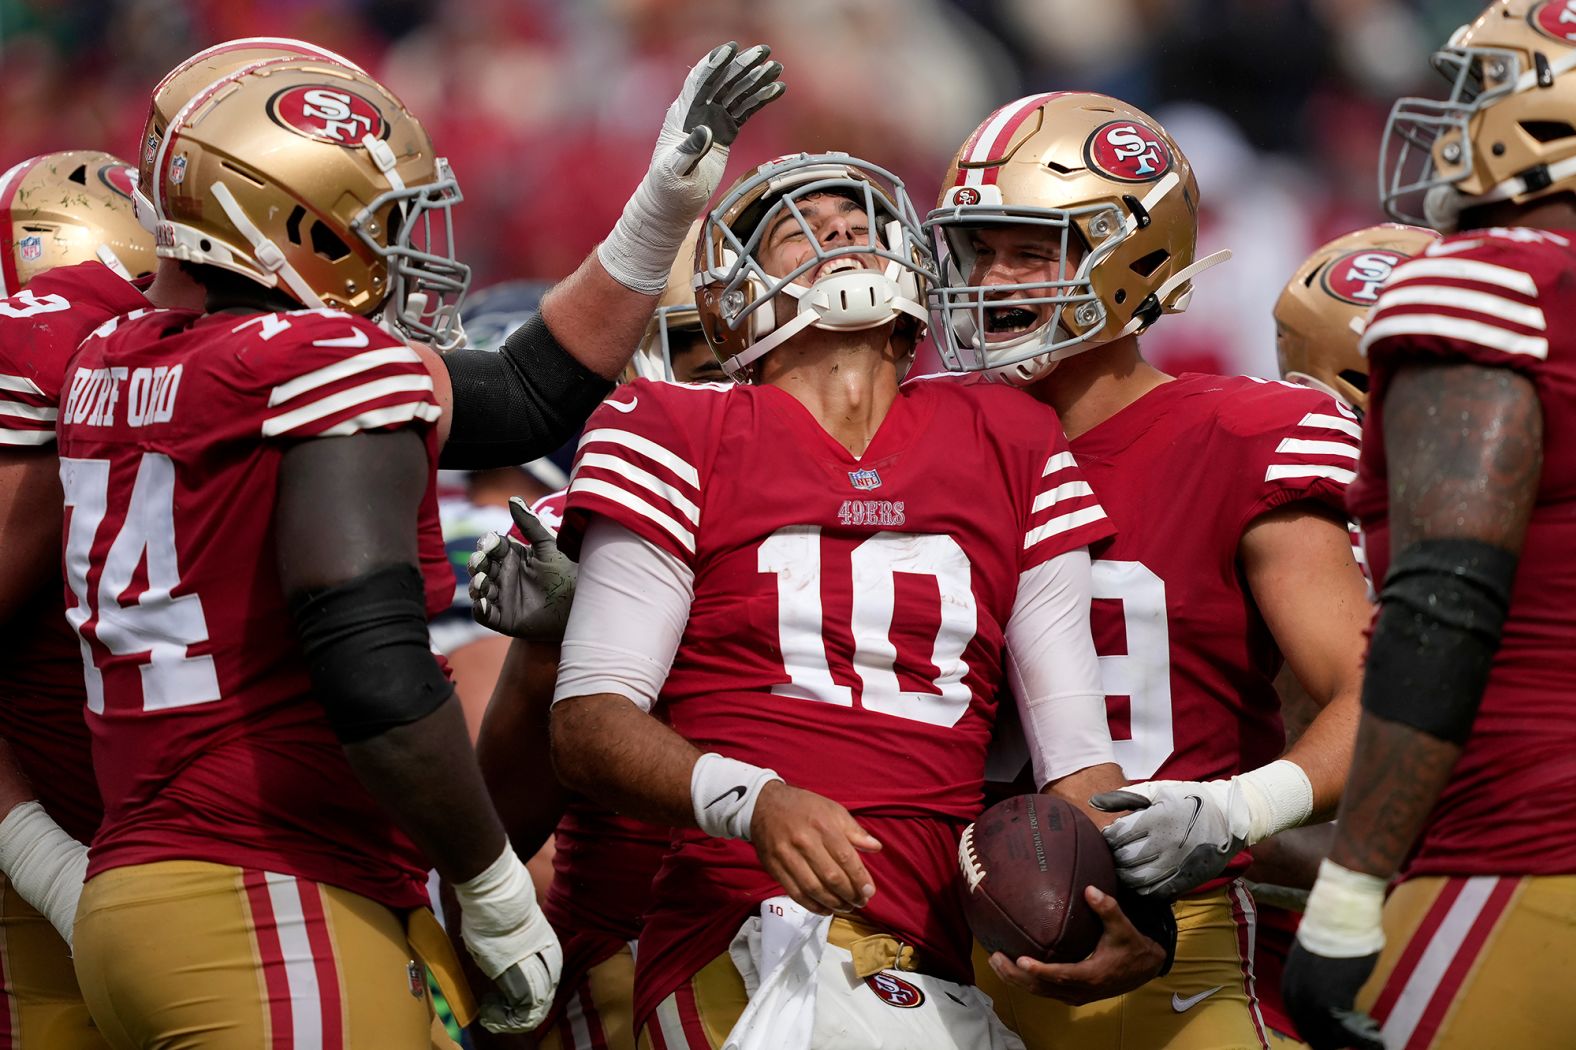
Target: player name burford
95	394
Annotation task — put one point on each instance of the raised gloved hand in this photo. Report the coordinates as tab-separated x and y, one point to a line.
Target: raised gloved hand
1183	833
519	590
512	943
722	91
1338	945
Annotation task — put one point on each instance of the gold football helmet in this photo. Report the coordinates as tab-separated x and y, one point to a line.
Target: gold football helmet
65	208
1506	131
1105	181
1319	318
734	295
675	313
310	177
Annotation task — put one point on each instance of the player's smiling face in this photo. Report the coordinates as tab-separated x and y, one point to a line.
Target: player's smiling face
834	221
1013	255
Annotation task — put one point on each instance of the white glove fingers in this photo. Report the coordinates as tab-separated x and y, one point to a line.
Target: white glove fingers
747	82
757	100
709	72
478	587
1124	832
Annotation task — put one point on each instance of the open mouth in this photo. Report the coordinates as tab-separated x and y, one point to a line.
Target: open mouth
1009	320
841	265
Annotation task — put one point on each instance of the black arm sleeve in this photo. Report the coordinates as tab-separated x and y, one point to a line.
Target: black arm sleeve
519	403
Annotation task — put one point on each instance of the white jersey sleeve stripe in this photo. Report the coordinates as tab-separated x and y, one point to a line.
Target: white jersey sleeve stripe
625	498
26	437
1280	471
1485	335
340	369
1066	490
1464	270
382	417
378	388
1495	307
1345	426
1060	461
20	385
21	411
643	478
646	447
1305	447
1064	523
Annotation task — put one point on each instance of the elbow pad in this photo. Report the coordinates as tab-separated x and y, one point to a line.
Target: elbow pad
519	403
1441	614
367	652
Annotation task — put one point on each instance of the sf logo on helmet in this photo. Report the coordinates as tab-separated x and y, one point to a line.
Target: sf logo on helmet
1556	19
1127	151
327	114
1357	276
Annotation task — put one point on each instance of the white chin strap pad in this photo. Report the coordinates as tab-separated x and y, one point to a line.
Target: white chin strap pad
850	301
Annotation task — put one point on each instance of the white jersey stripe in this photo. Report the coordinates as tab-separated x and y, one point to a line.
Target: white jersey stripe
356	395
1462	270
20	385
648	448
1063	523
382	417
625	498
340	369
26	437
1066	490
21	411
575	1014
1486	335
1304	447
306	1003
1345	426
643	478
671	1027
1060	461
1424	979
1282	471
1494	307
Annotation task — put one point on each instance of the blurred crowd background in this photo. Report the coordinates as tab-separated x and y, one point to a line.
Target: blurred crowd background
548	108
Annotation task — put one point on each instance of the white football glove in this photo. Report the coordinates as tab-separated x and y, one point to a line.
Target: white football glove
518	590
1183	832
44	864
722	91
512	943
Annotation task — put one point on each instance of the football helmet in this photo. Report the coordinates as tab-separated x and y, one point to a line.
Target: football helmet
310	177
196	73
675	313
1319	318
734	295
493	312
1109	185
71	207
1506	130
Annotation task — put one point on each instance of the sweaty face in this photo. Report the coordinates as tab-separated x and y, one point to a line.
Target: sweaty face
998	257
833	221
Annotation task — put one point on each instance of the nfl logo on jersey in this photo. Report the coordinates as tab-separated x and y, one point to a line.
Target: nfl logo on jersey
32	249
864	479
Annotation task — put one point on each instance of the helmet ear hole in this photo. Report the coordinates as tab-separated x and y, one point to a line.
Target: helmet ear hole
327	243
1148	264
80	175
293	224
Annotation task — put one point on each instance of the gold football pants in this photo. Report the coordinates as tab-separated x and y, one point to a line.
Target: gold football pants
43	1007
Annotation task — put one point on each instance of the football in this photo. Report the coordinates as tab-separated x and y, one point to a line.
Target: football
1025	863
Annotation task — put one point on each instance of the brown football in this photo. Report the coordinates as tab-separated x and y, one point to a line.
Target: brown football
1025	863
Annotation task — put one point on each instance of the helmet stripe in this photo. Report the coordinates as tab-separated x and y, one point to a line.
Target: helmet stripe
10	281
992	136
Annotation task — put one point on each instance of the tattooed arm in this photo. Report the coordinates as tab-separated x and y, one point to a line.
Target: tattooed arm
1465	449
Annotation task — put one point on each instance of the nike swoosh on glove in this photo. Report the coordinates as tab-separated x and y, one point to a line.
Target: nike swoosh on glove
513	944
519	590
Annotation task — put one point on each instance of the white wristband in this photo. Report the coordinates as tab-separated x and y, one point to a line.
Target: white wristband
45	864
1279	796
723	793
499	907
1344	917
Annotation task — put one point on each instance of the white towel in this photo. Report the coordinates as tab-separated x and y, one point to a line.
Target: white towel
778	955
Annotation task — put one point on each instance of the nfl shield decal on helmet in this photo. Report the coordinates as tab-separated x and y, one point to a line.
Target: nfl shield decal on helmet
328	114
894	991
32	248
178	170
1357	276
864	479
1128	151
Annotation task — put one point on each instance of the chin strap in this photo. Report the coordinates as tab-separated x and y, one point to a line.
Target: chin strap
107	256
1143	318
265	251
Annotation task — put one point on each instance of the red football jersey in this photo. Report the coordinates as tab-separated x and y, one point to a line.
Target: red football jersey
1188	662
42	712
847	623
1498	298
208	742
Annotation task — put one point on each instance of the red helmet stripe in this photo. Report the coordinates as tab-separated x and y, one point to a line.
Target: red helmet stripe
992	137
10	282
